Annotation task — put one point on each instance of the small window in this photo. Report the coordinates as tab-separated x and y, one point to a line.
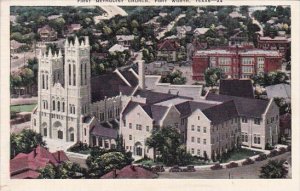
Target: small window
192	127
84	131
204	129
193	150
198	117
130	137
147	128
198	128
204	141
198	152
244	119
257	121
130	125
198	140
193	139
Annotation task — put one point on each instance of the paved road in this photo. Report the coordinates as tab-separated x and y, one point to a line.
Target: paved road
243	172
111	12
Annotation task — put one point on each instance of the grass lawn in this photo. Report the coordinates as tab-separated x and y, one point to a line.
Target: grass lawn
22	108
241	154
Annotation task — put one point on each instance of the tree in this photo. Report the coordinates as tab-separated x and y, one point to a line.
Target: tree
212	76
167	141
48	172
65	170
274	169
174	78
25	142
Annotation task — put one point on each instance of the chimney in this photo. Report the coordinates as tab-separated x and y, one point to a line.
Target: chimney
114	173
141	66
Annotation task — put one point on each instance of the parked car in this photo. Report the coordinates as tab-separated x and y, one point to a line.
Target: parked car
158	168
175	169
189	168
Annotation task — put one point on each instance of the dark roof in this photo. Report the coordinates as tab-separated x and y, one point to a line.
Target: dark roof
110	85
221	112
168	45
236	87
130	171
100	130
245	106
156	112
186	108
154	97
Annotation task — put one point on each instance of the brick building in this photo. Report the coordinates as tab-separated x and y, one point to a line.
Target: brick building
237	62
281	43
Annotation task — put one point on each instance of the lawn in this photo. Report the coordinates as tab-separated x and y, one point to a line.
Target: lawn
22	108
241	154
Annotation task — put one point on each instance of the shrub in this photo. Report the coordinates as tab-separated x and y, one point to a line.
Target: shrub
232	165
261	157
247	161
273	153
216	167
281	150
268	146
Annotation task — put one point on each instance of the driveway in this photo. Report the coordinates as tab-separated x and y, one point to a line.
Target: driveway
243	172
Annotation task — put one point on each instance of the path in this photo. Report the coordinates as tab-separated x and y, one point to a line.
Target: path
254	21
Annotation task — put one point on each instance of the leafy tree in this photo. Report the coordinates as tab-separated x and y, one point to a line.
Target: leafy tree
212	76
65	170
274	169
25	142
167	141
174	78
48	172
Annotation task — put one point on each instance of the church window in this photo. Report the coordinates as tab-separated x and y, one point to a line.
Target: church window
85	73
43	81
53	105
63	106
70	74
81	74
58	106
46	81
74	75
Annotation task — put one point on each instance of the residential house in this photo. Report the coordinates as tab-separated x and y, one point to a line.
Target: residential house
182	31
26	166
279	91
129	172
117	48
168	50
47	33
200	31
280	43
125	40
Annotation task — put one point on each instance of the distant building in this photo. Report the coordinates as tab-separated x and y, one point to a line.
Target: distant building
279	91
159	68
52	17
26	166
47	33
191	48
236	62
240	39
125	40
168	50
118	48
236	14
280	43
16	47
73	28
182	30
200	31
236	87
130	171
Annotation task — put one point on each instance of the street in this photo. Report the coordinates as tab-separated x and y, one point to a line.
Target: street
242	172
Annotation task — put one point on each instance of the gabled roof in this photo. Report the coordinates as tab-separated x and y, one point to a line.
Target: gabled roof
245	106
118	48
188	107
130	171
26	165
111	84
279	90
236	87
46	28
168	45
154	97
125	37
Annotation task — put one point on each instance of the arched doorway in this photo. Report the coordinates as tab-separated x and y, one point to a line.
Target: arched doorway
138	149
71	134
57	130
44	129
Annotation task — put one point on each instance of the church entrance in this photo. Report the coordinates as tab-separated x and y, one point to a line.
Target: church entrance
57	130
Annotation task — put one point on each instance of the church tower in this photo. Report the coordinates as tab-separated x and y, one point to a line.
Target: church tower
77	84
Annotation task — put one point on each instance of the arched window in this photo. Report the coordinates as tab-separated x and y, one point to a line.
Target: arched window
46	81
53	107
74	75
85	73
45	131
70	74
58	106
81	74
43	81
60	134
63	107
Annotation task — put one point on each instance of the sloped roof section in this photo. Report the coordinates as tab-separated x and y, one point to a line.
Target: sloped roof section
236	87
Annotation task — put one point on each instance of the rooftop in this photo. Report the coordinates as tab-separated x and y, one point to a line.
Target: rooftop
236	87
129	172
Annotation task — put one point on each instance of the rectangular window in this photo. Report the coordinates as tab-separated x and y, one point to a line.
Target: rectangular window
193	139
193	150
84	131
204	129
193	128
198	128
198	140
182	121
204	141
147	128
256	139
257	121
244	120
130	125
198	117
198	152
130	137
